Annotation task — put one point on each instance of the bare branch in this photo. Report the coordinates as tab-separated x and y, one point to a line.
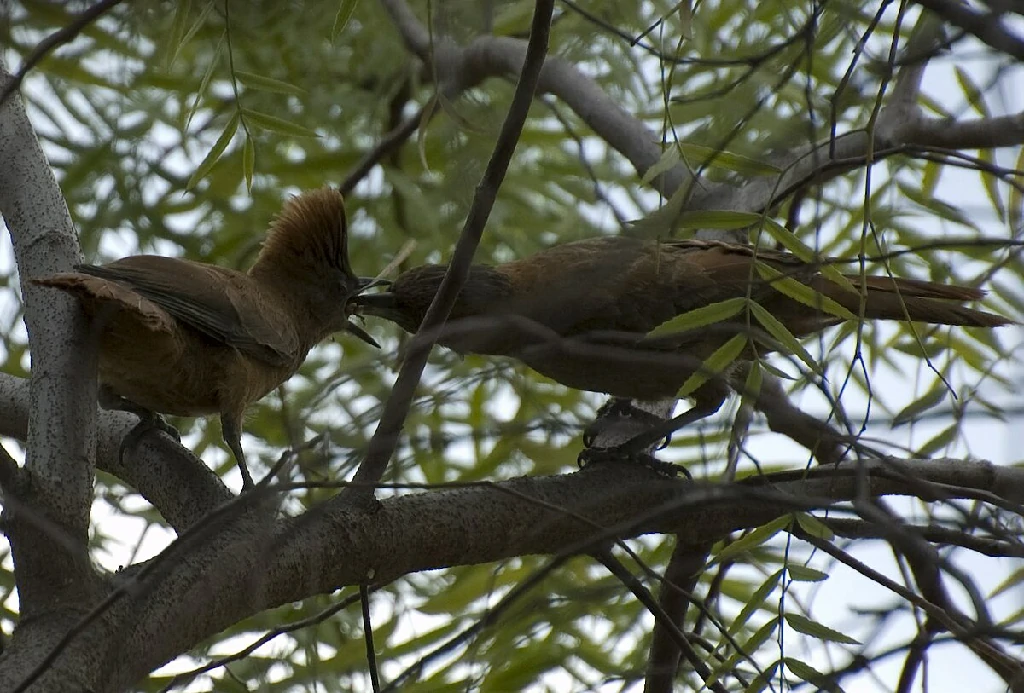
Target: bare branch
55	40
987	27
61	421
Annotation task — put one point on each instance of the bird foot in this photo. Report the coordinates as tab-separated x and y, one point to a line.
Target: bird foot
148	422
591	456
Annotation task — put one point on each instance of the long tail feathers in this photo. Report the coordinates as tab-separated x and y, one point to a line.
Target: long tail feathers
913	299
107	300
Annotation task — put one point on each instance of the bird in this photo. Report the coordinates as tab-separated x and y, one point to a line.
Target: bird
188	338
582	312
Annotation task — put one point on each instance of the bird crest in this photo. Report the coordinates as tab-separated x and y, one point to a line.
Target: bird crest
311	228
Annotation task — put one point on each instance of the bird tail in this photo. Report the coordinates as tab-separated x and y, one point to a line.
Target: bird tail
914	300
105	300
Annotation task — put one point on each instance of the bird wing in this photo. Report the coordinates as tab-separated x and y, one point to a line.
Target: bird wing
222	304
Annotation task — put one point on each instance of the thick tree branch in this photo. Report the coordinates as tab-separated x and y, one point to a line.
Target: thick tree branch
177	483
61	430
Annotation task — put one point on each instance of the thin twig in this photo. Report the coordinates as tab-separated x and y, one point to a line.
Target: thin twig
54	41
385	438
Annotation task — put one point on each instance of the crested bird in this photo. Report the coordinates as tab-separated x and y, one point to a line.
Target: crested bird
189	338
581	312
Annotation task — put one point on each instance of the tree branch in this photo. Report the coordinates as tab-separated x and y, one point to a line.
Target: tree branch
176	482
984	26
385	438
61	420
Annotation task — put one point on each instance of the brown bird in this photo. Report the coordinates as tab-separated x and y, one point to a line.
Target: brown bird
191	339
580	312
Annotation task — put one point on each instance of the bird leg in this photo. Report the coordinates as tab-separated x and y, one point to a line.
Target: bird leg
231	429
707	400
148	420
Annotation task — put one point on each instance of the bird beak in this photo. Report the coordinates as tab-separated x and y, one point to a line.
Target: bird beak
361	334
365	283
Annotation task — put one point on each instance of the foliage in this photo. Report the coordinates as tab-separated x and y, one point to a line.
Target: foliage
178	128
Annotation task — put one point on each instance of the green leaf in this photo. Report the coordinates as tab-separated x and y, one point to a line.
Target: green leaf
699	317
669	159
813	526
727	160
929	400
254	81
248	161
214	154
275	124
974	94
779	331
801	292
177	33
341	19
754	539
756	601
204	83
790	242
1012	580
811	675
722	357
802	573
763	678
804	625
752	383
939	441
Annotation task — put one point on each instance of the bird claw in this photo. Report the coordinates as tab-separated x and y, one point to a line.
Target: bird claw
591	456
147	422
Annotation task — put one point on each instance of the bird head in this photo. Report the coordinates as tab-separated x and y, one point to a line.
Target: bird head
306	255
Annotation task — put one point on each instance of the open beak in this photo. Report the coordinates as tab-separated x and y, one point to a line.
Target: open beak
362	334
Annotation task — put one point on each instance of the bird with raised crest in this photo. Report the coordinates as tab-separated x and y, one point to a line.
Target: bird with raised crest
188	338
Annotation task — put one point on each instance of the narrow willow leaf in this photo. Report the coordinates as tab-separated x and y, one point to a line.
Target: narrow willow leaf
1016	199
714	364
1012	580
214	154
753	382
939	441
755	538
804	625
174	40
779	331
254	81
204	83
756	601
813	526
929	400
811	675
802	293
275	124
699	317
790	242
974	95
746	650
802	573
198	24
345	10
248	161
669	159
727	160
